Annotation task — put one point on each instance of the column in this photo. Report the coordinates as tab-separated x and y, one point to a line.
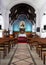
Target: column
37	21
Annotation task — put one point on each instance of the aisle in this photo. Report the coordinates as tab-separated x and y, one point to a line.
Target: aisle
22	56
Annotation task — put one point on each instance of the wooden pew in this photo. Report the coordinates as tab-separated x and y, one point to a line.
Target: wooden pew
41	46
5	43
13	41
32	41
2	47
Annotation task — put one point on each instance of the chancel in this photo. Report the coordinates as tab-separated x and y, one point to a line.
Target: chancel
22	32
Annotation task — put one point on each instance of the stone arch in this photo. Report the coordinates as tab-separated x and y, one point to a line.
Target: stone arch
10	5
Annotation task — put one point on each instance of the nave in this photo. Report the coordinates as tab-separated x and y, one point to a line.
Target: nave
22	21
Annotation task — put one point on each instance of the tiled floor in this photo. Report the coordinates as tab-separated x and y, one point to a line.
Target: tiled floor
22	56
35	56
7	59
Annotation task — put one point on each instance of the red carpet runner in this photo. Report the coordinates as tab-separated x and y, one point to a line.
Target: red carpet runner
22	39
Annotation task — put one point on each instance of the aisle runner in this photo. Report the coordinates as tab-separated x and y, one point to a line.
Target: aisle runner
22	56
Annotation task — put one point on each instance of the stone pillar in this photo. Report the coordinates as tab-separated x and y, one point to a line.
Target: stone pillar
34	28
11	29
6	19
37	21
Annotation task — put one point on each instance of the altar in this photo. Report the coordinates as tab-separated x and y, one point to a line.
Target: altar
22	38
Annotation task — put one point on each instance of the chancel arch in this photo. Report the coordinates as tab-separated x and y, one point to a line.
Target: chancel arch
22	12
22	8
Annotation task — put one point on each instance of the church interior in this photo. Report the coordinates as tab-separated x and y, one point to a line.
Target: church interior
22	32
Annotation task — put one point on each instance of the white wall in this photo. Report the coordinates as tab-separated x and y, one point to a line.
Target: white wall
5	13
43	21
4	19
2	25
2	22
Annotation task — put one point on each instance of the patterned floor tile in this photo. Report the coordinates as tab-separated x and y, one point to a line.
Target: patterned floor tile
22	56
